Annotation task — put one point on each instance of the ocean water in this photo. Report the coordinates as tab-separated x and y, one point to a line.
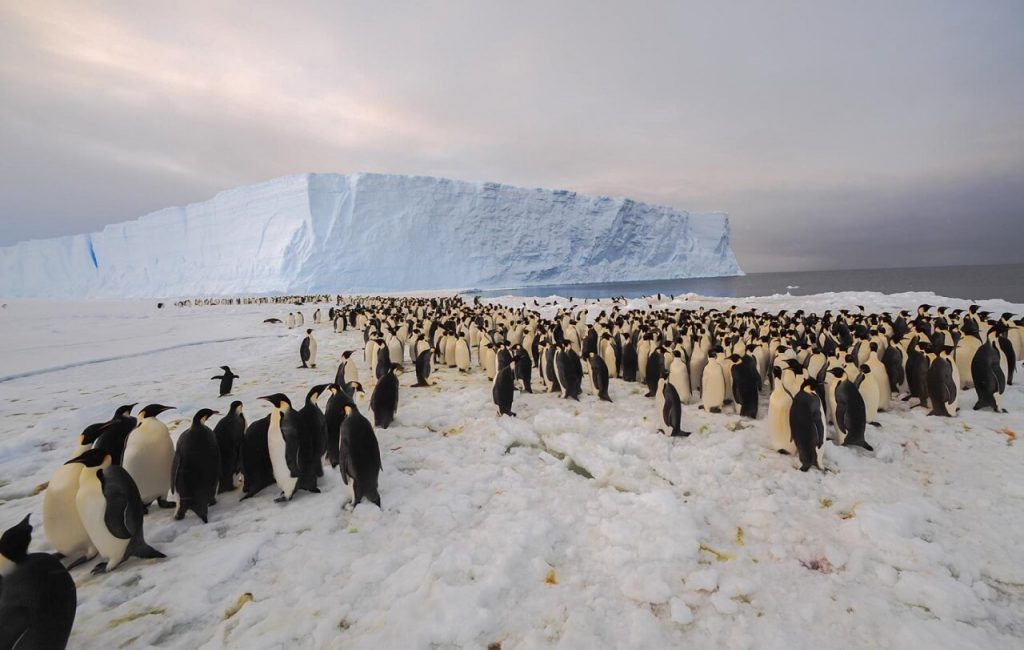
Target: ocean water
1004	281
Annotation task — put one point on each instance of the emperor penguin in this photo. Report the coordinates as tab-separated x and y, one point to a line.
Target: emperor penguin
227	379
989	374
195	474
599	376
653	371
942	385
290	320
359	454
422	367
850	413
503	390
779	403
300	320
307	350
462	356
672	410
230	434
316	315
712	385
966	348
881	377
61	524
257	470
384	398
38	597
807	425
868	388
283	445
679	376
334	415
522	367
111	510
148	456
312	440
746	384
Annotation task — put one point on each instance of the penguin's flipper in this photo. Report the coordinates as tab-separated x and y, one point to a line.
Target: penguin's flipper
291	446
116	515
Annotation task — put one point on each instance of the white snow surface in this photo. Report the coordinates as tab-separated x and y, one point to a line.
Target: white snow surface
574	525
373	232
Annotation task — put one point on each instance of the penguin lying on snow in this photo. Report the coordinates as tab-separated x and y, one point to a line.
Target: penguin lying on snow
111	511
38	598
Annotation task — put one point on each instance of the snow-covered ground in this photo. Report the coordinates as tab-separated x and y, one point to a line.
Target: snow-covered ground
575	525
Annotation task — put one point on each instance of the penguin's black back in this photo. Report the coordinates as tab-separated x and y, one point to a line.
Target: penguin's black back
256	466
360	457
38	600
230	435
384	400
196	469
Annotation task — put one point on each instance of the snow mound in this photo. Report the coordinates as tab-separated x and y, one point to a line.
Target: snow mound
373	232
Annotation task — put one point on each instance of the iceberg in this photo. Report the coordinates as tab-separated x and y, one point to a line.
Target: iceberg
334	233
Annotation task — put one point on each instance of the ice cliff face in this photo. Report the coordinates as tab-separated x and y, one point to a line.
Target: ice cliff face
372	232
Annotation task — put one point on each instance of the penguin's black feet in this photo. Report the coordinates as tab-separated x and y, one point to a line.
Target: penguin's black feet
681	434
1004	411
164	503
59	556
145	509
204	518
782	451
213	502
179	515
875	424
99	568
80	561
906	399
282	499
715	409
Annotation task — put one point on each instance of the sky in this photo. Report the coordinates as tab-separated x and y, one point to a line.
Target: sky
834	134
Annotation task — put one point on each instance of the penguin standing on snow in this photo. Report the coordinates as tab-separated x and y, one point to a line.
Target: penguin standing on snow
334	416
850	413
746	384
346	369
988	373
422	369
360	457
599	376
807	425
61	524
780	402
307	350
227	380
522	366
38	597
942	388
672	410
230	434
257	470
113	434
195	473
111	511
312	441
384	399
503	389
148	455
283	434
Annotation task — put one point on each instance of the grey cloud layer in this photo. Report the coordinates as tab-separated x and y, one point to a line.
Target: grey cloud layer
835	135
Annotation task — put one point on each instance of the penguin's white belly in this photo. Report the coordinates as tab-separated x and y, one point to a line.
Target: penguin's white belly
778	422
462	356
312	351
148	460
964	356
395	350
679	377
61	523
275	447
697	364
609	360
92	507
659	399
712	387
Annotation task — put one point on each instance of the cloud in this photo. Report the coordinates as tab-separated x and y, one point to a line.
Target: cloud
804	120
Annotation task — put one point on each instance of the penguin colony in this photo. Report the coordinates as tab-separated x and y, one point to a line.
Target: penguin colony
827	377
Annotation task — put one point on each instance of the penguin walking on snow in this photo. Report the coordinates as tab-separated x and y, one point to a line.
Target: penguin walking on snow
307	350
599	376
38	597
334	416
672	410
227	380
942	387
111	510
807	426
989	374
422	369
148	455
230	434
195	474
283	435
503	389
384	399
360	457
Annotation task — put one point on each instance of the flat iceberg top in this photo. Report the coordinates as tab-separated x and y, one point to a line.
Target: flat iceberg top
373	232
